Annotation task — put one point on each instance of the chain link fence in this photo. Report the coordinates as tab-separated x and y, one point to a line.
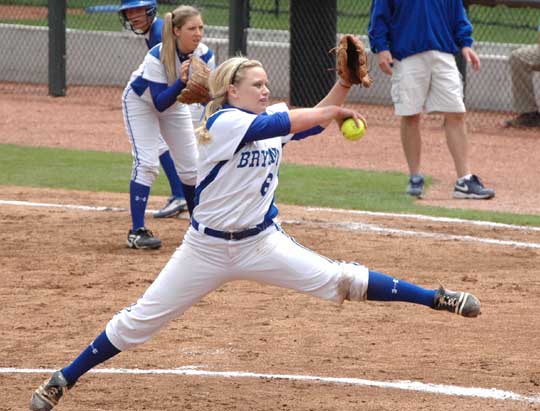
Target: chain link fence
100	54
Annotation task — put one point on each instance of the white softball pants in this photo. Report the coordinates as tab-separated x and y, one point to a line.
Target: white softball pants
145	127
202	264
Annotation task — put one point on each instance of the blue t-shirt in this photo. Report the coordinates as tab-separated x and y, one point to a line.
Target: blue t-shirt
408	27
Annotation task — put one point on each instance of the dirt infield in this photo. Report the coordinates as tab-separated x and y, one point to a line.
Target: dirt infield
66	271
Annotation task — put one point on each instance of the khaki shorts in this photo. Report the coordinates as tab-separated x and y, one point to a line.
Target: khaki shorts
427	81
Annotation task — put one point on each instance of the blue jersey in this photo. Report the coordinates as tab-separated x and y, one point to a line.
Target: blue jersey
407	27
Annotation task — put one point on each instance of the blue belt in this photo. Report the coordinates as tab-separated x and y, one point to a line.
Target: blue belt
232	235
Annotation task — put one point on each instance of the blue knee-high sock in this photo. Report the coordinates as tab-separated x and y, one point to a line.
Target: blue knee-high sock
382	287
189	192
96	353
138	196
172	175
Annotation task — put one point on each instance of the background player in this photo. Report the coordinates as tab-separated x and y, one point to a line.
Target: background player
150	108
140	17
233	235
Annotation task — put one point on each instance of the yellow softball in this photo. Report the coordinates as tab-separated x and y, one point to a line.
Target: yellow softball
351	131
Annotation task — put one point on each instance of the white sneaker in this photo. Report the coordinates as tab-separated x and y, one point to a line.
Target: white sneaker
174	206
472	188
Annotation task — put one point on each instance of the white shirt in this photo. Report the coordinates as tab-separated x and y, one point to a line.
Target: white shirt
151	69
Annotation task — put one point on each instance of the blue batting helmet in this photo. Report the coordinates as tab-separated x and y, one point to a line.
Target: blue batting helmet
151	11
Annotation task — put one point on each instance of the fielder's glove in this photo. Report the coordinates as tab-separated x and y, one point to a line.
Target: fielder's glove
352	62
196	90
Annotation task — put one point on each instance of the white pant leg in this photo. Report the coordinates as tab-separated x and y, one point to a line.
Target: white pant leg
279	260
446	91
177	131
204	263
186	278
163	147
142	127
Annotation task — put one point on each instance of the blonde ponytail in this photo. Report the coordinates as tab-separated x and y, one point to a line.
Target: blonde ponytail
168	48
202	133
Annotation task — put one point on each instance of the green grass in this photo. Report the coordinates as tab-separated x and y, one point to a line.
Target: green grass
498	24
70	169
300	185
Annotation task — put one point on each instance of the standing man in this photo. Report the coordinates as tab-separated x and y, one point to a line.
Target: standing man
524	61
415	42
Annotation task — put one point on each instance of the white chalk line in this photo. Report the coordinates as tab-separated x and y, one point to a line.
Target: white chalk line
451	390
309	209
426	218
353	226
68	206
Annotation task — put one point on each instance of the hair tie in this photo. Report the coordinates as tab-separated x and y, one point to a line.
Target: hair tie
220	95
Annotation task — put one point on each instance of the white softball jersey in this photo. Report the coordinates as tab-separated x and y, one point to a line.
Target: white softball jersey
234	194
151	68
147	127
235	187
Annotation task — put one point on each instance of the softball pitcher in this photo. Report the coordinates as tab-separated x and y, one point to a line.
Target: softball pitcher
139	16
233	233
154	120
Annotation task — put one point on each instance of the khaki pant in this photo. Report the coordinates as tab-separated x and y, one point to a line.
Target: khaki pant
429	80
523	62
